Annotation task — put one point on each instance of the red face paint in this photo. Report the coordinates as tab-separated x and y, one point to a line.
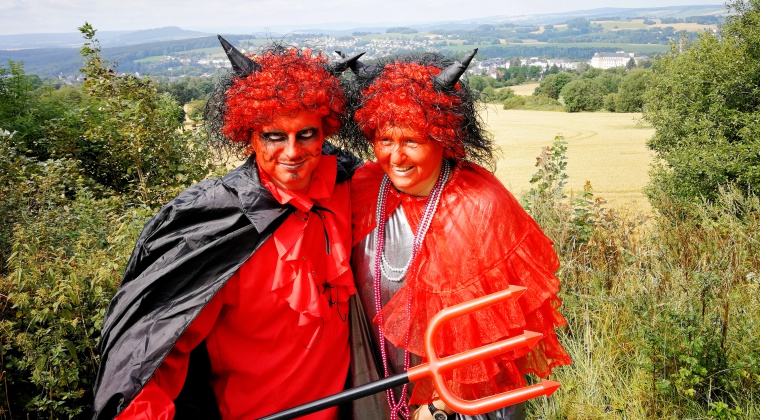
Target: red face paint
288	149
411	160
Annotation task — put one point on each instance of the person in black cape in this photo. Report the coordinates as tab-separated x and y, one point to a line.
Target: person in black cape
238	288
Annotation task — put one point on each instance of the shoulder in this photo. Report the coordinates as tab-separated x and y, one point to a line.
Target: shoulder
364	186
368	174
480	190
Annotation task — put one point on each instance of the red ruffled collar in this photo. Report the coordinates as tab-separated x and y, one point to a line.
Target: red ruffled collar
295	278
321	186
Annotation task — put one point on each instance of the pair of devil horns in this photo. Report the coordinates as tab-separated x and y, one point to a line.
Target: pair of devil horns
244	66
443	81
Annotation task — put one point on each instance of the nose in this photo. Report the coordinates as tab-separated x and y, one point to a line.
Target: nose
292	149
398	155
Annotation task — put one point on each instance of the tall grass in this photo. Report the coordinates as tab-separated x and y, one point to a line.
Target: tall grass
663	311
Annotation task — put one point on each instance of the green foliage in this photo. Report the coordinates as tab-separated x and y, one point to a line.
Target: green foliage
15	170
490	94
609	81
703	104
515	102
611	102
20	112
187	89
67	260
69	220
583	95
552	85
195	109
540	103
663	314
134	142
632	90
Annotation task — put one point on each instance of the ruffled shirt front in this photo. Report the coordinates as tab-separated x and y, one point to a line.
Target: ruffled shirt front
276	333
480	241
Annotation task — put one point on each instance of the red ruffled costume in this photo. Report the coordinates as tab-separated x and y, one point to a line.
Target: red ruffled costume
480	241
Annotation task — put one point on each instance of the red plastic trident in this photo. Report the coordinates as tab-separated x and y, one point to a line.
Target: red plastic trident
435	367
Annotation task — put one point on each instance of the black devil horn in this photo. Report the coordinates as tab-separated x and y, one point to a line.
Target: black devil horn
337	67
361	70
241	65
449	77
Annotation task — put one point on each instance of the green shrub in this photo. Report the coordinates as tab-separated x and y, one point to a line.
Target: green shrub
540	103
67	261
611	102
583	95
515	102
663	312
703	103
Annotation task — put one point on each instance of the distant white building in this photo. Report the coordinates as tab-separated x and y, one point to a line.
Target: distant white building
602	60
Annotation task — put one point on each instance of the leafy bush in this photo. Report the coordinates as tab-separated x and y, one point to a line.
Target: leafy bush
582	95
611	102
552	84
68	222
67	258
541	103
632	90
515	102
703	104
663	313
490	94
134	142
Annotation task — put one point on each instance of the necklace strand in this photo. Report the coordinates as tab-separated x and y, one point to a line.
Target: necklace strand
401	407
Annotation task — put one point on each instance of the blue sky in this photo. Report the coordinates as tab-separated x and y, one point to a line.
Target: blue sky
249	16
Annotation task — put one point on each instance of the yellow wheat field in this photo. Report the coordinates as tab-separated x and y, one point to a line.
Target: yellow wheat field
607	149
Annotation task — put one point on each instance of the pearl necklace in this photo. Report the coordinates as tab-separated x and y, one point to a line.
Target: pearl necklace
401	407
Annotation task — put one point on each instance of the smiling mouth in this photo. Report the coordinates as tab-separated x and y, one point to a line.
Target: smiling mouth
402	169
292	166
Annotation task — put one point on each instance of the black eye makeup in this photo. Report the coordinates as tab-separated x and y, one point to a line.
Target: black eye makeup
307	134
273	136
279	136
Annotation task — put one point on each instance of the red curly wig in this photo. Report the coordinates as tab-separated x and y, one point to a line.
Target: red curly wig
404	96
287	82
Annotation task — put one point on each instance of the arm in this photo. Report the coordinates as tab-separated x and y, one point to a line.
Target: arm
155	401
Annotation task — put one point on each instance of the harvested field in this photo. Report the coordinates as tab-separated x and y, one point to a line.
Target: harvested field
607	149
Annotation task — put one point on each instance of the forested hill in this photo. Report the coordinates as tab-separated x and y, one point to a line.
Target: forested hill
173	51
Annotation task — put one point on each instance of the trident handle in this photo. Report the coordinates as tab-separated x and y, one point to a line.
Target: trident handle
435	367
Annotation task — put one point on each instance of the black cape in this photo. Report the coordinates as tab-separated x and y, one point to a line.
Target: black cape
183	257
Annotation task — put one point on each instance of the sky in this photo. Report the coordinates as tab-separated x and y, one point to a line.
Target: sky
251	16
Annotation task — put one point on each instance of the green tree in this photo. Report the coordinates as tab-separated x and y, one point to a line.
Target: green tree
552	85
134	141
18	111
704	105
632	89
479	83
611	102
583	95
609	81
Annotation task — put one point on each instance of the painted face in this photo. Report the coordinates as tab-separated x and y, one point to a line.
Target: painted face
411	160
289	148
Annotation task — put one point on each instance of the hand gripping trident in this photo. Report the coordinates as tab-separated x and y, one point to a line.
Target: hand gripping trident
435	367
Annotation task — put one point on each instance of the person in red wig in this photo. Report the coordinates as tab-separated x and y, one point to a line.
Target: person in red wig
234	302
432	227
